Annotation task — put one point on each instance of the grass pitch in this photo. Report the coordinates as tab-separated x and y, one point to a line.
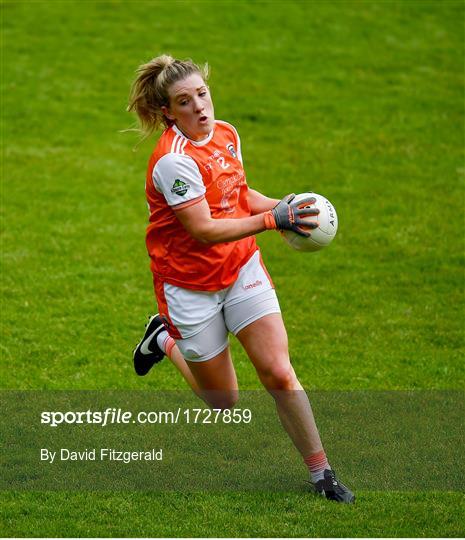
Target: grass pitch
360	101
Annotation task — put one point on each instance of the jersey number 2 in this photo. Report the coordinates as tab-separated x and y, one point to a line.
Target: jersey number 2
222	162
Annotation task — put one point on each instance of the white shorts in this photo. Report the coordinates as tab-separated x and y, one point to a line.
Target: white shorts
204	318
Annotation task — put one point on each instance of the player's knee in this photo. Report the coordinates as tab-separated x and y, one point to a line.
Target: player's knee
279	377
221	400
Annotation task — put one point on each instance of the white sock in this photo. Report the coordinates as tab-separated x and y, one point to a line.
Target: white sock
317	464
162	338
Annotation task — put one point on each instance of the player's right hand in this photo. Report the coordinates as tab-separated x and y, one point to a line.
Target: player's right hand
287	215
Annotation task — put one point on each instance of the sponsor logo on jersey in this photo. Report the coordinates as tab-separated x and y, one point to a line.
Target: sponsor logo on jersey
230	190
230	147
179	187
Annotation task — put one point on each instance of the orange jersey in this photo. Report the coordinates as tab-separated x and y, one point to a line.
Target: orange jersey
180	173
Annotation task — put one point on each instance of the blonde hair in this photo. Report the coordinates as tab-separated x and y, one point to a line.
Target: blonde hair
149	91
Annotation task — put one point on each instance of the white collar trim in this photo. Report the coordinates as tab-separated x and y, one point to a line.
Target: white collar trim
195	143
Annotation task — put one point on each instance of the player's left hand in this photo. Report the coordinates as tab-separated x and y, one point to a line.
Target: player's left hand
287	215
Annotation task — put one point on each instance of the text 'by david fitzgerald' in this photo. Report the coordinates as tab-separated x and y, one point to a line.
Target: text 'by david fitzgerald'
100	454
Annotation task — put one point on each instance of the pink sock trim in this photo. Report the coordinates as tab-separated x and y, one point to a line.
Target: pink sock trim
168	345
317	462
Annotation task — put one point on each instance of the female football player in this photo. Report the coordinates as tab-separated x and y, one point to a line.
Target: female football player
209	277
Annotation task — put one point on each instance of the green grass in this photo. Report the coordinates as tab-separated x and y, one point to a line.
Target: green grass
231	515
360	101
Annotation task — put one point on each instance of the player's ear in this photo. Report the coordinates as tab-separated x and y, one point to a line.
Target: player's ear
165	110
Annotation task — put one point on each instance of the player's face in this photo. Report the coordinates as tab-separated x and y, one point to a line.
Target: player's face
191	107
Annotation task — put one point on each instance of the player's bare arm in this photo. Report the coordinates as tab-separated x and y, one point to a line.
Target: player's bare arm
260	203
198	222
285	215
